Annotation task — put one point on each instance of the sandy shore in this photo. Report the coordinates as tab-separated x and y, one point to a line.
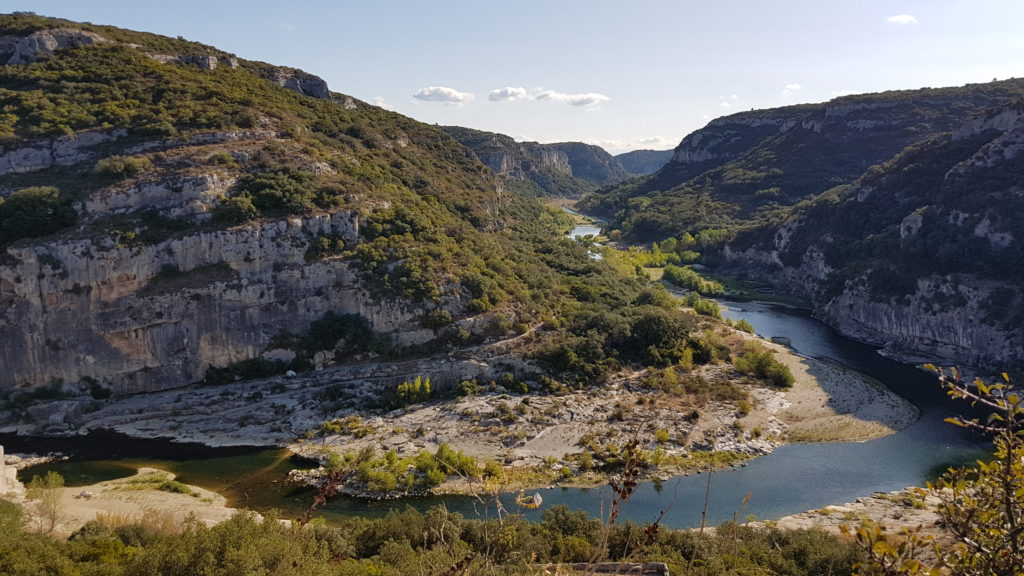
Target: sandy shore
137	498
830	403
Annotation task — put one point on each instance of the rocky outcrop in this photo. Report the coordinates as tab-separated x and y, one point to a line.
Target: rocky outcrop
28	49
204	61
9	483
63	151
591	162
144	318
176	197
301	82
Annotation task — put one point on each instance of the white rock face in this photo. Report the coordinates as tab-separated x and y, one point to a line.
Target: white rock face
9	483
63	151
206	62
918	328
85	307
28	49
175	198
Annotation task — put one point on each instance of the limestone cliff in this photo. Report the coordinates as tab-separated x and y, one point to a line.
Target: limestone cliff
921	255
560	169
157	316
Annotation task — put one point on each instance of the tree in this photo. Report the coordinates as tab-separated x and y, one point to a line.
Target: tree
982	506
45	493
34	211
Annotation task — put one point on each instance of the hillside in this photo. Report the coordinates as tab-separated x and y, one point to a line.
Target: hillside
169	208
567	169
747	168
644	162
922	254
168	220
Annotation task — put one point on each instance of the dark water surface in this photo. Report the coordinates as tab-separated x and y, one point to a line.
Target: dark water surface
792	479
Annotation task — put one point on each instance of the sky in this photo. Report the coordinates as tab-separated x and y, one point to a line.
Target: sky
620	74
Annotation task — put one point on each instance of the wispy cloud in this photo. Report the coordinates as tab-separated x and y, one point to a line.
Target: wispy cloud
656	142
616	146
728	101
379	101
442	94
902	19
588	99
791	89
844	92
286	26
508	94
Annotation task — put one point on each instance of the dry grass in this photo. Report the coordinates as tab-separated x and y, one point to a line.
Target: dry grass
159	521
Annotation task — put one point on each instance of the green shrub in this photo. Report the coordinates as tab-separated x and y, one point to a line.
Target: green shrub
702	306
759	362
34	211
744	326
116	167
687	278
235	210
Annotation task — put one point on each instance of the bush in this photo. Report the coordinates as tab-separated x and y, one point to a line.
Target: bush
702	306
117	167
235	210
407	393
687	278
744	326
759	362
284	190
32	212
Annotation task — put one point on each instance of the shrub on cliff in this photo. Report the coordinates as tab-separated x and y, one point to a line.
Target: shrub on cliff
115	167
34	211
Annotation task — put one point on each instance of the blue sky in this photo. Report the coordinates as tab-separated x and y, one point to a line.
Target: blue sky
621	74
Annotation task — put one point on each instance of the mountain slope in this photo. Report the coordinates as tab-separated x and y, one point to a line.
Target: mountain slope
168	208
748	167
644	162
562	169
923	254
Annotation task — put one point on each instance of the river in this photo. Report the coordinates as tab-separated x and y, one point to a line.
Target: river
794	478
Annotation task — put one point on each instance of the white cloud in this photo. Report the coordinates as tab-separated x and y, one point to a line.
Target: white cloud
616	146
508	94
588	99
286	26
791	89
844	92
656	142
442	94
728	101
902	19
379	101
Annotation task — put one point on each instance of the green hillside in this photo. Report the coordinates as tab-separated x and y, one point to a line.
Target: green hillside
746	169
